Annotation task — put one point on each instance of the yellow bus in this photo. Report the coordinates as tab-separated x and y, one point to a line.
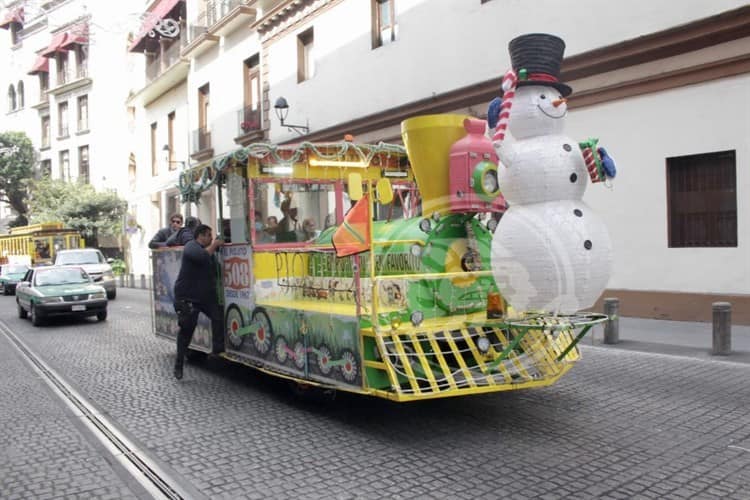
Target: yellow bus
39	242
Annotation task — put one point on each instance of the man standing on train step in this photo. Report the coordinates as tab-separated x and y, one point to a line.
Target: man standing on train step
195	292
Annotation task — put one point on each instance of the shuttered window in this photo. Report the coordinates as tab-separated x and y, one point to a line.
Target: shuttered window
702	200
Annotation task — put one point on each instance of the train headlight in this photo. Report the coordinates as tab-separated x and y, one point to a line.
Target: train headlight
416	318
425	225
483	344
491	225
416	250
485	180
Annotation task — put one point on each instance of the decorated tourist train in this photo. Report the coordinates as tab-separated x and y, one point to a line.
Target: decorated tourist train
456	264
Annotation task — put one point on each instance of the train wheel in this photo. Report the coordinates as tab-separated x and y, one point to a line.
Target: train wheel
234	321
324	360
349	367
280	349
263	339
299	355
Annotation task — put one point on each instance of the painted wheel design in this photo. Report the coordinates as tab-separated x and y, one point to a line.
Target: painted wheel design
299	355
234	322
349	367
280	349
324	360
263	338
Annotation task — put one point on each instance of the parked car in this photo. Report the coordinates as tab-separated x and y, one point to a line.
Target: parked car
93	261
59	291
10	275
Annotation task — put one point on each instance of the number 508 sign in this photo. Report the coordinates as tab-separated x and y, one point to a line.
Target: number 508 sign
236	273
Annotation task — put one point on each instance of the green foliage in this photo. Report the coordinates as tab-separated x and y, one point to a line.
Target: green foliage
77	206
17	160
118	267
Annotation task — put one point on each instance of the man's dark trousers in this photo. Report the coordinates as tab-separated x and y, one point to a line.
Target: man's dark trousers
187	328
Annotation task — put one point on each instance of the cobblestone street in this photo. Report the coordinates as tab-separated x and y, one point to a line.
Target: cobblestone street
621	424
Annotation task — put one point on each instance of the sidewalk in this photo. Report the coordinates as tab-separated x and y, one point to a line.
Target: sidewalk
679	338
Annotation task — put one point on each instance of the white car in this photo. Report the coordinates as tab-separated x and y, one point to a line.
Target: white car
94	263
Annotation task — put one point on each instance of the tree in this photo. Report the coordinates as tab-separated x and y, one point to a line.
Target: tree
17	160
78	206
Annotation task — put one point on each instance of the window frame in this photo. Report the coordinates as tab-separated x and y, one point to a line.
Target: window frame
378	25
63	123
707	181
86	176
305	55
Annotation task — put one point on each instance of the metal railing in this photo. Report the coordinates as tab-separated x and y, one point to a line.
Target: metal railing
248	120
216	10
201	139
164	60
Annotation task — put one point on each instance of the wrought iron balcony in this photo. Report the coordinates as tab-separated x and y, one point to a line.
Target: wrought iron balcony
164	60
201	140
248	120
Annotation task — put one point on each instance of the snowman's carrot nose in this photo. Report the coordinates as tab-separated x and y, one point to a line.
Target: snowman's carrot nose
557	102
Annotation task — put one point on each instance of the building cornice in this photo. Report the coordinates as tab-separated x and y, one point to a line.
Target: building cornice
677	41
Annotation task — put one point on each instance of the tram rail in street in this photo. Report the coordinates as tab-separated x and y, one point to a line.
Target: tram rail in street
144	470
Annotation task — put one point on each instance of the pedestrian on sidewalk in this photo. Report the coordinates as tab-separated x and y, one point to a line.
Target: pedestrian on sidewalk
195	292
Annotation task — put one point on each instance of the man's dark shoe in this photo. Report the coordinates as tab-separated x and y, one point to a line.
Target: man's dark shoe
178	372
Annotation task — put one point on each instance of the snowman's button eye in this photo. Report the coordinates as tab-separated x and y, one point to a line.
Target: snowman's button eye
567	147
577	213
587	244
573	177
542	96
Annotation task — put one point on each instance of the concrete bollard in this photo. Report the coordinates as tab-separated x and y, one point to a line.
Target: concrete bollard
722	328
143	281
612	325
131	280
121	280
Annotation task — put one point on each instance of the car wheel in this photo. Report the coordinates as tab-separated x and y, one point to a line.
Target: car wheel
36	319
111	295
101	315
21	312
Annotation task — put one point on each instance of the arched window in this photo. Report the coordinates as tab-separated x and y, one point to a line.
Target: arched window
11	98
19	94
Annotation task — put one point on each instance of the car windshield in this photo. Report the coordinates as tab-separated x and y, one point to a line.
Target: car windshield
64	258
10	269
60	277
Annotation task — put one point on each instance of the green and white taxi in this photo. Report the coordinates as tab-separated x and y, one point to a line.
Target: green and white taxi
10	275
59	291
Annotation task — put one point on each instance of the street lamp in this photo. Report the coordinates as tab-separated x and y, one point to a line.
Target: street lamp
281	107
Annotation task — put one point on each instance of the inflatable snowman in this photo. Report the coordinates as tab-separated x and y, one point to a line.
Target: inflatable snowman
550	251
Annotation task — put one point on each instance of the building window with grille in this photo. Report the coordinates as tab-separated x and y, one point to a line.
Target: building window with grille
305	56
62	120
19	94
702	200
82	60
170	141
45	168
154	158
250	119
64	165
83	113
62	67
11	98
83	164
384	28
45	132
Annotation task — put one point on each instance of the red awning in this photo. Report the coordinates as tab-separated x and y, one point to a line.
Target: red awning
41	65
56	45
78	34
159	12
12	16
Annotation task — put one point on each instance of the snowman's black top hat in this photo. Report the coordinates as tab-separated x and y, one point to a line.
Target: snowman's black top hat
536	59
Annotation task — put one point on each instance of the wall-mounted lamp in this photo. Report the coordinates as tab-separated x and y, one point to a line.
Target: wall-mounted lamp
167	157
282	110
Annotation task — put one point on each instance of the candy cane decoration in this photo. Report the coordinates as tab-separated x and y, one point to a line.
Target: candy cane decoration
510	80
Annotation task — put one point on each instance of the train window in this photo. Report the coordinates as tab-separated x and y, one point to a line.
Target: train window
292	212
